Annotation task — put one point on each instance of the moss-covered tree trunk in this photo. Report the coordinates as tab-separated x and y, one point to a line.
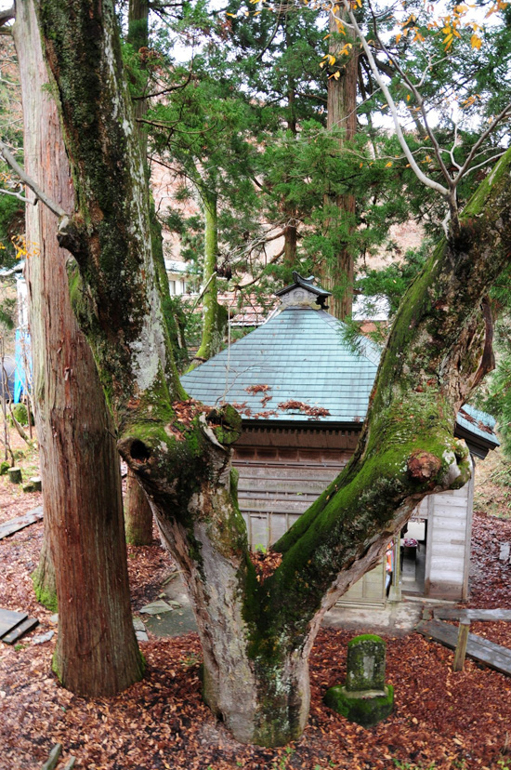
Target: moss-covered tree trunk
256	636
338	275
96	653
214	315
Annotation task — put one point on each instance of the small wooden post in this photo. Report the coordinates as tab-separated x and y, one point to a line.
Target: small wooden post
461	647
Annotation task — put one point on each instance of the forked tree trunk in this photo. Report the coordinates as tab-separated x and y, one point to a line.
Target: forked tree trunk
96	653
256	636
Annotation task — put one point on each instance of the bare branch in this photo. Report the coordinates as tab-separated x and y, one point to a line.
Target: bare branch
168	90
392	106
272	261
19	196
420	102
7	15
202	293
9	159
487	161
505	112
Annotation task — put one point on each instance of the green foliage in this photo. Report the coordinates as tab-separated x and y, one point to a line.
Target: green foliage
20	414
12	211
393	280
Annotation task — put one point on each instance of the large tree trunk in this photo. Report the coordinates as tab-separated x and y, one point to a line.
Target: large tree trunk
342	117
43	577
256	635
96	653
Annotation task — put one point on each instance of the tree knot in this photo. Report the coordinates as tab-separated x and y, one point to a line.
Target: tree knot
423	466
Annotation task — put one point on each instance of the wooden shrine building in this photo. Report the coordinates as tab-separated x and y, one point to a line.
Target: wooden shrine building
303	393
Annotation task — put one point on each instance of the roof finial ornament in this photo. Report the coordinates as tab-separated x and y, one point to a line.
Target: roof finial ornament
303	292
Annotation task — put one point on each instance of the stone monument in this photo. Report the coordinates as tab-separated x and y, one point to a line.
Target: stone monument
365	699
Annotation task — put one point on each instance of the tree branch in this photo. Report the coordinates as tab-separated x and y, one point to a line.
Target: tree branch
9	159
505	112
7	15
19	196
392	107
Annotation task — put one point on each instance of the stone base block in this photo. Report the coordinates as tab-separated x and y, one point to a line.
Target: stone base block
365	708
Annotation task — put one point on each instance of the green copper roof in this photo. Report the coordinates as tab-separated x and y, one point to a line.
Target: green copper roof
299	355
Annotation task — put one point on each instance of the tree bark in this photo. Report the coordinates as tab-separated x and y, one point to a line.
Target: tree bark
96	653
342	116
43	577
138	516
256	636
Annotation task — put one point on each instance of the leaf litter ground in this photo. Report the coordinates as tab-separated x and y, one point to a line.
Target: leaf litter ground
441	719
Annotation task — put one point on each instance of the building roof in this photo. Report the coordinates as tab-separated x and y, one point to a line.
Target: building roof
300	367
298	356
309	285
477	428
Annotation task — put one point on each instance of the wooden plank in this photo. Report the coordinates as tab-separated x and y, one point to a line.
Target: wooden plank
53	759
272	506
459	613
261	467
284	486
20	522
9	620
492	655
22	628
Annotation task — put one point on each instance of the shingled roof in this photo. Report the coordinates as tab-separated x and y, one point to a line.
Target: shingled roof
299	367
298	356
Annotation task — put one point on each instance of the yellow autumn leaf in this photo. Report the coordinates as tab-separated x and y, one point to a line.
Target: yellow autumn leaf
361	166
398	37
475	41
389	164
407	97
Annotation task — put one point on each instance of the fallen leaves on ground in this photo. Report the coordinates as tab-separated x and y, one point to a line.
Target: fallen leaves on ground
265	563
455	720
